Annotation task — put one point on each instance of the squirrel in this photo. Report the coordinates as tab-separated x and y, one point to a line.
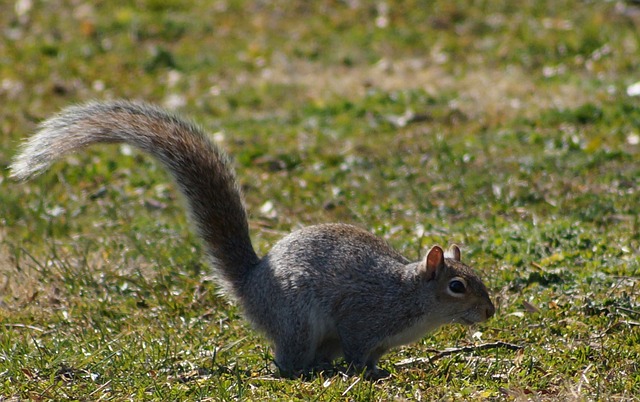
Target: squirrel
322	292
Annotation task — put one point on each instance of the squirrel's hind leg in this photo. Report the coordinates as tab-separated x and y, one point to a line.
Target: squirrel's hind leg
328	350
294	354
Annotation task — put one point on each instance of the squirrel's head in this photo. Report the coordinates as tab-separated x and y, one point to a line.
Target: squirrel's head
462	295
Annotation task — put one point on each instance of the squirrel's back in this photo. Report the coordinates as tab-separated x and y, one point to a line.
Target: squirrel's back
319	261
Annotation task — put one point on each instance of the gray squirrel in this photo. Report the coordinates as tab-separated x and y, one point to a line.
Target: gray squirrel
322	292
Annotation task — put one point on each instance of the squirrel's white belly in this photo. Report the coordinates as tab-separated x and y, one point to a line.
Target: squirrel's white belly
414	332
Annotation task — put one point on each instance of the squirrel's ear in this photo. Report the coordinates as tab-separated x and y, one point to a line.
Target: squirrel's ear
454	252
432	263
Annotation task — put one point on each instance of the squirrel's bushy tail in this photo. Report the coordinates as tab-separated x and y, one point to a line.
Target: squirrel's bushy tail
201	170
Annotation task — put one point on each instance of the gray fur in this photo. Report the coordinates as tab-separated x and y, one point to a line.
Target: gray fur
322	292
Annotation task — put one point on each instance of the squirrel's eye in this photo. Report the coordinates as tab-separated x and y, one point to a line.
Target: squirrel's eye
456	286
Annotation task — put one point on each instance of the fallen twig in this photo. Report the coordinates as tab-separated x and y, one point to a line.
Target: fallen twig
617	325
464	349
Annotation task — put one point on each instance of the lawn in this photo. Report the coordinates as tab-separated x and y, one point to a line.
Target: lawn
509	128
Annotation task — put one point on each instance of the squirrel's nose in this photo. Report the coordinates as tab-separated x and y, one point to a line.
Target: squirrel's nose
490	311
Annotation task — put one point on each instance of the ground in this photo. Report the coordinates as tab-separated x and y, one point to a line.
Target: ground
509	128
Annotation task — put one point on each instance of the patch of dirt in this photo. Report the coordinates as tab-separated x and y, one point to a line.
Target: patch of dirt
15	284
493	94
20	282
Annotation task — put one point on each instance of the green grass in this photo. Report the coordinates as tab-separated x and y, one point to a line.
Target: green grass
501	126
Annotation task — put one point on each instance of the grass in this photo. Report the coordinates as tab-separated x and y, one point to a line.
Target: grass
504	128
